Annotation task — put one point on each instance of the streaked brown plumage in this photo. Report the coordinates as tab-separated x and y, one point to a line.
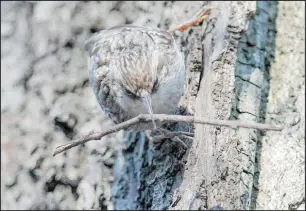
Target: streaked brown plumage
130	66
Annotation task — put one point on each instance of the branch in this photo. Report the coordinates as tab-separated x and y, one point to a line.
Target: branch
145	118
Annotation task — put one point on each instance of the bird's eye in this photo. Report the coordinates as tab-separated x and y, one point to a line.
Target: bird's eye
130	94
155	86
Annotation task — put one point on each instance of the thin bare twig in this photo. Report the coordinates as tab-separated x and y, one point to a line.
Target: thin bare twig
145	118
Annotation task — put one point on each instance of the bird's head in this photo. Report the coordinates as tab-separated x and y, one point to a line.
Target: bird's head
140	86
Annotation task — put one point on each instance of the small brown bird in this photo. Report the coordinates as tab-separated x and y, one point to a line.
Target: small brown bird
135	70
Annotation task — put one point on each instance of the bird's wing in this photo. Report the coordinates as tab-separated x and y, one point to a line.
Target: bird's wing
122	35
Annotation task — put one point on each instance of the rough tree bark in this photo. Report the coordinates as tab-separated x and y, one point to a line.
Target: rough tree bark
231	69
228	74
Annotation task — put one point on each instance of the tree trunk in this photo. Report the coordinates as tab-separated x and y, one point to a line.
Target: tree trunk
248	63
228	66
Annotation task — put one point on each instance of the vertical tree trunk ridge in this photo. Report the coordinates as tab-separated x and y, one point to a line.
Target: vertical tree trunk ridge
216	164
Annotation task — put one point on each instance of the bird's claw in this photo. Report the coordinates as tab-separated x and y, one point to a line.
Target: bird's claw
156	140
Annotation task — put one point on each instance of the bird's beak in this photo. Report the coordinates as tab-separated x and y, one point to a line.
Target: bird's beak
146	100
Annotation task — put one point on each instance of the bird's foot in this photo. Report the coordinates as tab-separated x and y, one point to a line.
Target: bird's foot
155	139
